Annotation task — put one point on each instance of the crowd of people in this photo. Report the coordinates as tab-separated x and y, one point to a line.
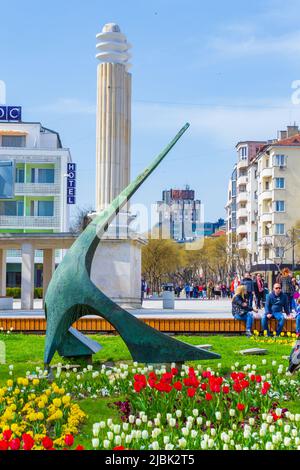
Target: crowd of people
251	295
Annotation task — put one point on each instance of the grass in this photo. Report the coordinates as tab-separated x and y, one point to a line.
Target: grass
26	353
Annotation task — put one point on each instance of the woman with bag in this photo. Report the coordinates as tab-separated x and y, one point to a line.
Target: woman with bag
241	310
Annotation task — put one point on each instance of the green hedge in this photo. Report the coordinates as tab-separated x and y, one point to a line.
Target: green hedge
15	292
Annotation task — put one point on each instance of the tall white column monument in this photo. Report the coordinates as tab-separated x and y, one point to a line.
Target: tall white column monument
116	267
113	128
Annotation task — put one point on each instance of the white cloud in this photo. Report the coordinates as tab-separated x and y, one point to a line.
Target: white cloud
66	106
237	46
225	125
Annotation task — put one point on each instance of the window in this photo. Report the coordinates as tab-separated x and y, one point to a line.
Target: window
20	175
12	208
279	160
255	236
279	206
243	153
45	208
45	175
279	229
267	186
279	252
42	175
6	180
279	183
13	141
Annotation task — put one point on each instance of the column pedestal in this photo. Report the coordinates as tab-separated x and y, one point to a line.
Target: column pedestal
116	270
27	277
2	273
48	269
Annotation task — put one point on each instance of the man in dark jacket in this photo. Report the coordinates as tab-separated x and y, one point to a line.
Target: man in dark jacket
249	288
276	303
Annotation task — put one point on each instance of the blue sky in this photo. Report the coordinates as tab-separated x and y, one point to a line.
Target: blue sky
225	67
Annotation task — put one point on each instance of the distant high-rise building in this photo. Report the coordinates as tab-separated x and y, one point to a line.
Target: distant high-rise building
180	213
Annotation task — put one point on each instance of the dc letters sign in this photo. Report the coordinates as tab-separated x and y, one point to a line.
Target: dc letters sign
71	184
10	113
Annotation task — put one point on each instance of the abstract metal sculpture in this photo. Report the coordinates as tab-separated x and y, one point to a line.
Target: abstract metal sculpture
71	295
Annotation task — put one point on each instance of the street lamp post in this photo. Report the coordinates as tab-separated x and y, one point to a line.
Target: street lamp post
292	232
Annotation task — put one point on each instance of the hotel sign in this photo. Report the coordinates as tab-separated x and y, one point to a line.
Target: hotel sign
71	184
11	113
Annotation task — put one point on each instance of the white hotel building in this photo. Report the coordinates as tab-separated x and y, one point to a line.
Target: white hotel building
33	188
267	202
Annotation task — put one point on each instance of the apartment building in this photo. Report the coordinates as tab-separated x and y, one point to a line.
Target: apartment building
180	214
267	182
33	187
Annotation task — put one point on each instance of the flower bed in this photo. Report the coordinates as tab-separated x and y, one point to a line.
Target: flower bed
188	408
36	415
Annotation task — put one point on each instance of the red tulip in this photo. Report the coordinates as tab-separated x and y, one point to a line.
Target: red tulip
240	406
47	443
4	445
191	392
69	440
79	447
28	442
208	396
177	386
119	448
7	434
15	444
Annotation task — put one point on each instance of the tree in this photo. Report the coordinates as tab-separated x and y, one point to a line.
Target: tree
160	260
81	219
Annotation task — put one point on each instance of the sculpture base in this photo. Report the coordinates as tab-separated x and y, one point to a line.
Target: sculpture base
116	269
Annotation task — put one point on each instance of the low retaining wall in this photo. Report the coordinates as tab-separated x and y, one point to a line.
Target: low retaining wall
178	325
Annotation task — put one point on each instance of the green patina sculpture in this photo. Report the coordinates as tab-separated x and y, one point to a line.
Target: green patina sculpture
72	295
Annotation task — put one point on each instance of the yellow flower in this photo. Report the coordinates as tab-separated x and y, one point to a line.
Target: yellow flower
265	332
282	333
57	402
10	383
61	391
16	391
66	399
35	381
41	404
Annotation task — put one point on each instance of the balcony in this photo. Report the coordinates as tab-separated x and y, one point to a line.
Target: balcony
267	194
242	180
28	222
266	217
242	212
242	245
39	189
241	197
266	173
242	229
242	164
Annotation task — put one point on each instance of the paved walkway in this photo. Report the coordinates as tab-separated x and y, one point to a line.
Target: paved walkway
192	308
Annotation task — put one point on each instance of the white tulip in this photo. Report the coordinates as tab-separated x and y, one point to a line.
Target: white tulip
203	445
269	446
169	447
182	443
166	439
195	412
218	416
178	413
145	434
194	433
95	443
287	441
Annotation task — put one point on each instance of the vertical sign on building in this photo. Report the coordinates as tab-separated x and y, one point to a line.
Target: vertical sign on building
71	184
